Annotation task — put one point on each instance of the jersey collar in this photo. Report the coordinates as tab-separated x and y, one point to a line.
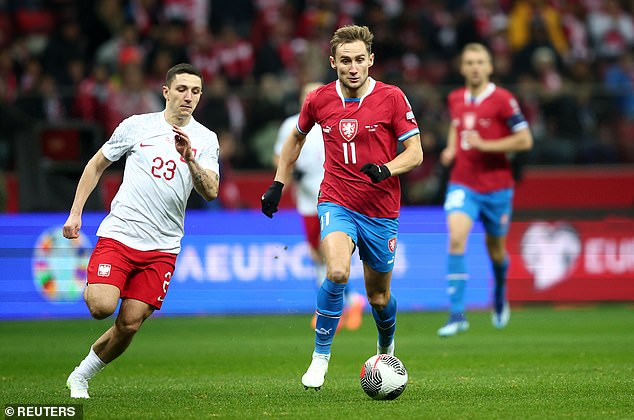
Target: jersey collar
371	86
191	118
477	100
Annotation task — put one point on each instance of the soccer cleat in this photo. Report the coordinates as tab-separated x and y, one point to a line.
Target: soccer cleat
500	318
354	316
456	323
385	350
314	376
78	385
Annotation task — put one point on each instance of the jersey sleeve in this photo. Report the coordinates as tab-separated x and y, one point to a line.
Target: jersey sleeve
121	140
512	113
307	119
210	156
403	120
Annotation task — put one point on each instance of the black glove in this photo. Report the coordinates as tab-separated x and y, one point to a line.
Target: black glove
271	198
377	173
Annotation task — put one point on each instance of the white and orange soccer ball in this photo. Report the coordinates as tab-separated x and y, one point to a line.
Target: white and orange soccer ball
383	377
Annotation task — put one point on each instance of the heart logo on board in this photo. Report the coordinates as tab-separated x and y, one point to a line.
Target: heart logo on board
549	252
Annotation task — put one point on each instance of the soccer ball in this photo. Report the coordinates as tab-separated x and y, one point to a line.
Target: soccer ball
383	377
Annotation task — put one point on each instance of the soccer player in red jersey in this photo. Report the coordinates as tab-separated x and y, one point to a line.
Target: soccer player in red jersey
486	125
308	173
362	122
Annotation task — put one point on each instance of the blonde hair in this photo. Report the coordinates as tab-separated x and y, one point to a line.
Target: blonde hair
477	47
351	33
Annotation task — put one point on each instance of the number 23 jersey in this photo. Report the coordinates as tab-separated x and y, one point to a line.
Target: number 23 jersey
148	211
357	131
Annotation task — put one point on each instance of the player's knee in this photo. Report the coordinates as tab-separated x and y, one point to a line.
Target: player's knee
338	275
497	256
378	300
497	253
128	327
456	245
101	300
101	310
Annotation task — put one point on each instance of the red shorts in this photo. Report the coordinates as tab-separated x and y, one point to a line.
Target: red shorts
312	229
140	275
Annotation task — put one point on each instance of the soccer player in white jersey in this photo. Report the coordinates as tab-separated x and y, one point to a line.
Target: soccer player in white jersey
308	173
167	154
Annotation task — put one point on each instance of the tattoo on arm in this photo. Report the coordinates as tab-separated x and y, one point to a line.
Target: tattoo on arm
204	184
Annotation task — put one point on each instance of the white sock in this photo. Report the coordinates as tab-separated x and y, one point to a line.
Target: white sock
91	365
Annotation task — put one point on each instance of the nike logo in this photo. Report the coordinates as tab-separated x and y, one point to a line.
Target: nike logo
160	299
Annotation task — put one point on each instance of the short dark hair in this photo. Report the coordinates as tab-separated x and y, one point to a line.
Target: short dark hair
180	69
351	33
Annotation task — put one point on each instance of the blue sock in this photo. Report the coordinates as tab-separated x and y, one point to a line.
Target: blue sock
457	279
329	308
386	322
499	273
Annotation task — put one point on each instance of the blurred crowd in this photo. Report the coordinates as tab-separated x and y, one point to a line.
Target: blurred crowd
570	63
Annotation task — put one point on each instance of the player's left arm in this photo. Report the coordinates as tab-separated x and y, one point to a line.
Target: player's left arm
205	181
409	158
404	122
519	141
405	161
412	156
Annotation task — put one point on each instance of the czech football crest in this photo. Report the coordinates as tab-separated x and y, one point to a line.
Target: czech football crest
348	129
391	244
469	120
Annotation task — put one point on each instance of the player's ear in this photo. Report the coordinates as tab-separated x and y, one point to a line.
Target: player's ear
332	62
371	60
165	91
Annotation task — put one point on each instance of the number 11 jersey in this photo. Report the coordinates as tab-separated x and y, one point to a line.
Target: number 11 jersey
357	131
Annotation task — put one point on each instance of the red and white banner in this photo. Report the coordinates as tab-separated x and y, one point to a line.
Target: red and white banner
572	260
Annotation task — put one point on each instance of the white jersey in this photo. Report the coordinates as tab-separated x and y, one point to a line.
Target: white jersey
310	162
148	211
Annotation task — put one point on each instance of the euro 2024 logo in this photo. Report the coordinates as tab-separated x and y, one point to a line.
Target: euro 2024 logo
59	265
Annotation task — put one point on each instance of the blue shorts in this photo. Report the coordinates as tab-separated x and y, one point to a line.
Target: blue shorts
494	208
375	236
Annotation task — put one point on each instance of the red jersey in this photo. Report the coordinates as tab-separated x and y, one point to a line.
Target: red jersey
357	131
493	114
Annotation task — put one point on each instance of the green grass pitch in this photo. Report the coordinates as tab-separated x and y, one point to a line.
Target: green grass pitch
548	363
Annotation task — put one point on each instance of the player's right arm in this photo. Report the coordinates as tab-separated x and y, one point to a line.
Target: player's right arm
283	175
87	183
449	152
289	155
